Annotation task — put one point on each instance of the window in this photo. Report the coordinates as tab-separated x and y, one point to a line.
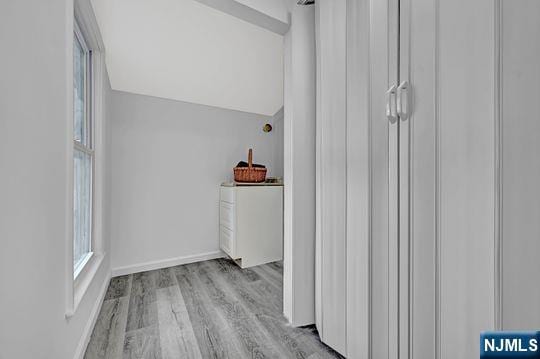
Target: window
83	153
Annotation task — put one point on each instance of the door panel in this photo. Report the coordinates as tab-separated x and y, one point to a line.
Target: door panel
418	181
465	80
332	198
383	72
354	163
448	171
358	179
425	212
520	145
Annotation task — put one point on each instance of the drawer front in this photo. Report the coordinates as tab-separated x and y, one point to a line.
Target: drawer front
227	194
226	241
226	215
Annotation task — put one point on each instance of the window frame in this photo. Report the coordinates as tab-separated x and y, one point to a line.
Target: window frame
86	145
81	17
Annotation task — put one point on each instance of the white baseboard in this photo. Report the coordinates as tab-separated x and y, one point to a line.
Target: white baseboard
87	333
170	262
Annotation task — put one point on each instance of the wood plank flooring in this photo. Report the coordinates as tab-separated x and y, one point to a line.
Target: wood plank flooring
210	309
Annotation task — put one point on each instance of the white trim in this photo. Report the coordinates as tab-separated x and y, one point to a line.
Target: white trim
83	148
69	299
84	13
98	167
86	143
87	332
80	285
82	263
81	18
83	282
164	263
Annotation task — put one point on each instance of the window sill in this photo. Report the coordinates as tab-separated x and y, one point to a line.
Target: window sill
81	266
84	279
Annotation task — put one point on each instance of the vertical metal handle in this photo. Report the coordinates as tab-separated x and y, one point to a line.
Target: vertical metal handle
403	100
391	104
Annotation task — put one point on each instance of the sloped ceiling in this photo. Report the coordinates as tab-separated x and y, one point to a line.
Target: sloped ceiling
275	8
184	50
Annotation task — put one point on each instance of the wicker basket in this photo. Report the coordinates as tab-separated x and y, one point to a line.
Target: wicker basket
250	173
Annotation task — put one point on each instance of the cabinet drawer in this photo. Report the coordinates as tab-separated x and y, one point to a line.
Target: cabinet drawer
227	194
226	215
226	241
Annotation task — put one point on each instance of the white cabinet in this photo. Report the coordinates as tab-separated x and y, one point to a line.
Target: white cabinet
251	223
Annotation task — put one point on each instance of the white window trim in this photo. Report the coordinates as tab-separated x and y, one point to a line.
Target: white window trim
79	280
89	147
79	268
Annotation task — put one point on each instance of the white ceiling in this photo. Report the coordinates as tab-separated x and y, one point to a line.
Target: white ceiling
184	50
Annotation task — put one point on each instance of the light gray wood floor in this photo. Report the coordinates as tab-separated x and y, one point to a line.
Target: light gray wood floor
211	309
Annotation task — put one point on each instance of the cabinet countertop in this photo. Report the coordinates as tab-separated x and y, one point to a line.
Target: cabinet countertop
241	184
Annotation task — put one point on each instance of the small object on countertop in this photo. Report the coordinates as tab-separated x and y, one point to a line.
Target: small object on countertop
245	164
249	173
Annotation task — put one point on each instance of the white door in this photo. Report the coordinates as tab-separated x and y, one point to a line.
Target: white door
331	273
418	181
447	177
429	224
519	140
357	158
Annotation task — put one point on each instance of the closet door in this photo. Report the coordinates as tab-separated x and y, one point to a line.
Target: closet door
331	281
418	180
372	155
519	140
385	187
357	183
447	177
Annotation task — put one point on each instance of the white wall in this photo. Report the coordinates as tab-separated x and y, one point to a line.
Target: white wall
107	139
34	206
169	158
277	152
299	167
187	51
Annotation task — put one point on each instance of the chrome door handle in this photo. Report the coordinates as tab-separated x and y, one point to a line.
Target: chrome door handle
391	104
403	100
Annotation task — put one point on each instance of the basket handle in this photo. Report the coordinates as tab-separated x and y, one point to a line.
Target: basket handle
250	158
